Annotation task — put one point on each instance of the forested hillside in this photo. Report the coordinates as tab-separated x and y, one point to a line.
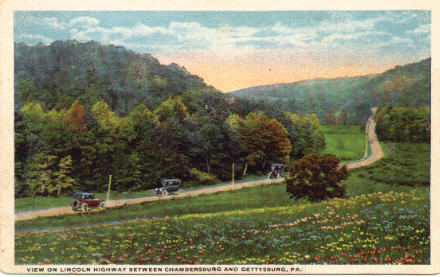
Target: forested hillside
85	111
57	74
348	100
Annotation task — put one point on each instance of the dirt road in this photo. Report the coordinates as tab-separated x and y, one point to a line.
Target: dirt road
376	154
375	148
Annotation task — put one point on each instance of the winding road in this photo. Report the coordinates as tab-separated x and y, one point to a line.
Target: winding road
373	142
376	154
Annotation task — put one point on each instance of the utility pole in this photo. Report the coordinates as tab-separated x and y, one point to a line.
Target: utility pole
108	190
233	171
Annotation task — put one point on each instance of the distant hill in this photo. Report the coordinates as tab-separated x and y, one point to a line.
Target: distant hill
57	74
348	100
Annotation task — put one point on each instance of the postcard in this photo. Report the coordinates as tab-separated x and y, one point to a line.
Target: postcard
210	137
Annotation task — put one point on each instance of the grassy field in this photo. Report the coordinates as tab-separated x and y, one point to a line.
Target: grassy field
369	229
347	142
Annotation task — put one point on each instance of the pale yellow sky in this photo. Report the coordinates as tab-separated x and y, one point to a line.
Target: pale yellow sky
228	74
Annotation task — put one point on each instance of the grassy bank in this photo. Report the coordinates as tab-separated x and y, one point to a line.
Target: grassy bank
405	166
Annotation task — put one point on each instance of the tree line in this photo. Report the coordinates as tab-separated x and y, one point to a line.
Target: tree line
404	124
196	136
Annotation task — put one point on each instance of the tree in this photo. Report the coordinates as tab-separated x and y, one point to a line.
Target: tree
261	139
316	177
173	107
26	91
63	181
39	174
305	133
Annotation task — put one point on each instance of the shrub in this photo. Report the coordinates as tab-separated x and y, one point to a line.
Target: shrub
202	177
317	177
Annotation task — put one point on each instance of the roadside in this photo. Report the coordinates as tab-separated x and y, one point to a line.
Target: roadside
67	210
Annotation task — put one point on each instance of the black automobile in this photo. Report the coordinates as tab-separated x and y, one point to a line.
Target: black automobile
168	186
277	171
84	201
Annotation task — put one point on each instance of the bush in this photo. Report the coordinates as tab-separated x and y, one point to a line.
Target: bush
202	177
317	177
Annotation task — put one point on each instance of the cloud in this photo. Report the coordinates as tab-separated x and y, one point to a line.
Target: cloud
354	36
422	29
34	38
83	22
338	33
52	22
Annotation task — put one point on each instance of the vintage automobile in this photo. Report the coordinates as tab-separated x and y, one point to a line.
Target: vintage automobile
277	171
168	186
84	201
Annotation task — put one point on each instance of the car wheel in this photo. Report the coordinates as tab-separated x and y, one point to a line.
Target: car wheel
85	207
75	205
179	191
102	205
165	192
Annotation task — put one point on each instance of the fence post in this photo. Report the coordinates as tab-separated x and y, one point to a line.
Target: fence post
108	190
233	171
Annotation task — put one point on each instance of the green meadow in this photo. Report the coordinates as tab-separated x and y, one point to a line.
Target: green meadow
347	142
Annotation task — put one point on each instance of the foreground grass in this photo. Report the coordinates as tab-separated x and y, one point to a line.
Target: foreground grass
368	229
347	142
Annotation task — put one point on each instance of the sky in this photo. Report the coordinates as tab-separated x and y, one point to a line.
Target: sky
232	50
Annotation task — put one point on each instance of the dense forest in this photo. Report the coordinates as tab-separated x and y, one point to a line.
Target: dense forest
85	110
348	100
57	74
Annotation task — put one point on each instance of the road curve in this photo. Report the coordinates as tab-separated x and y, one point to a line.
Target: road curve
376	150
376	154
